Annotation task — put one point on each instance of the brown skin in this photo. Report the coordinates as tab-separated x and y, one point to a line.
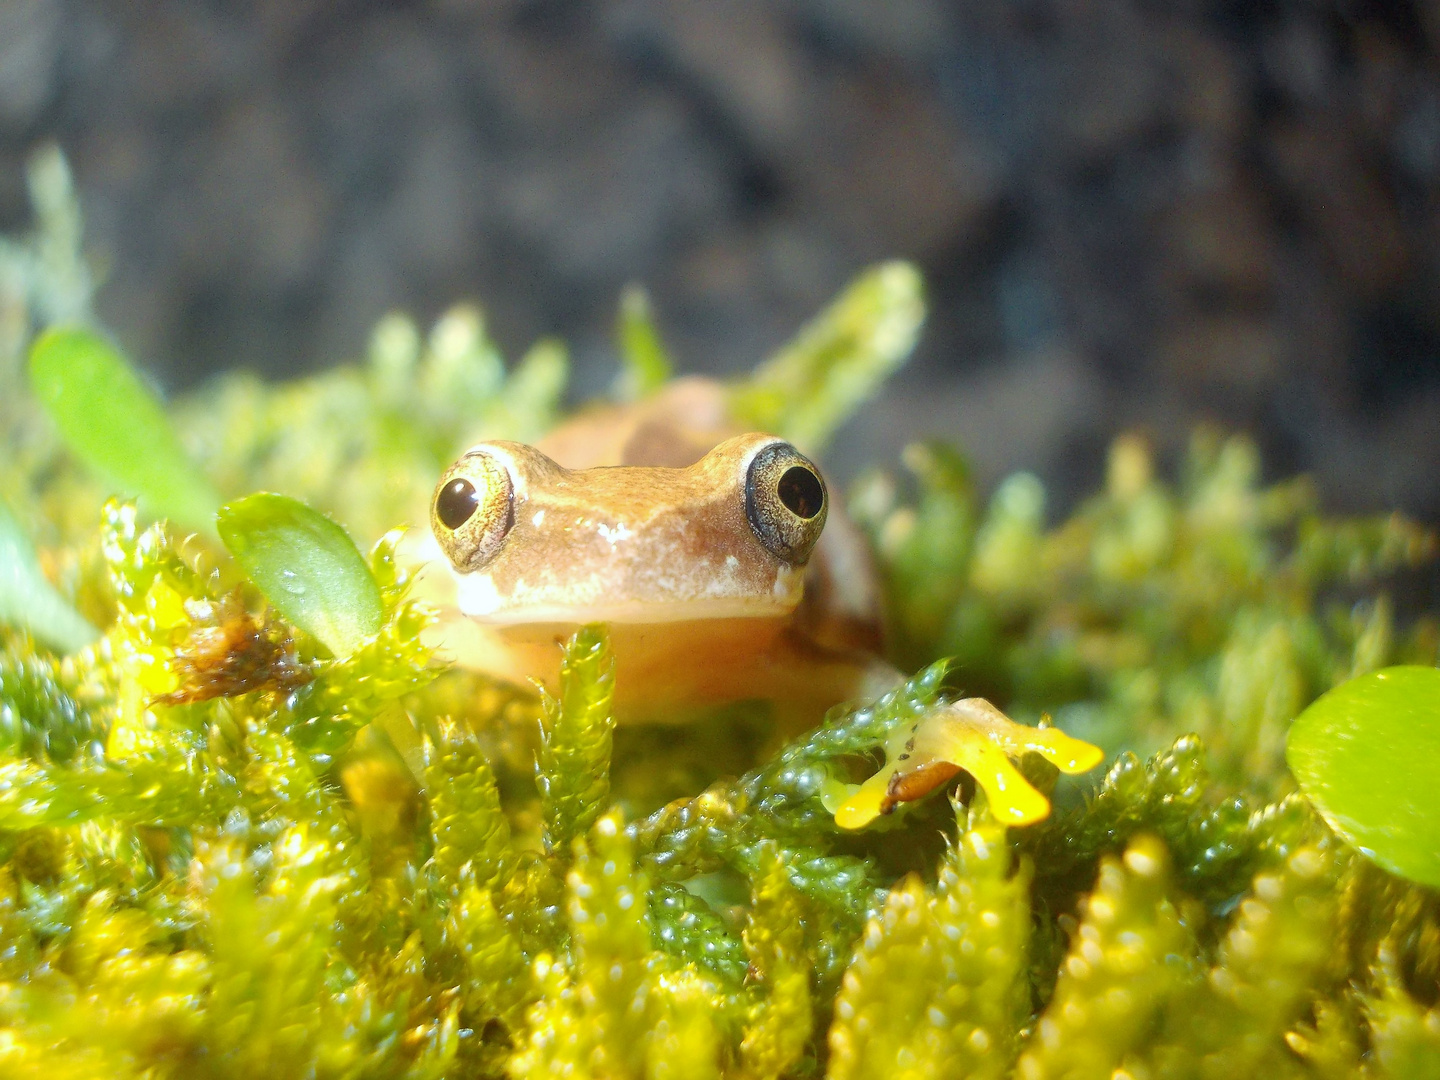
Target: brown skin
700	612
625	544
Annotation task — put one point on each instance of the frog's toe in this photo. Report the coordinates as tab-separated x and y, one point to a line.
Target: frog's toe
974	736
1067	753
861	805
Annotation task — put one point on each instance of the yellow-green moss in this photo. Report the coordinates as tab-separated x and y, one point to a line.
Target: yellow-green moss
370	866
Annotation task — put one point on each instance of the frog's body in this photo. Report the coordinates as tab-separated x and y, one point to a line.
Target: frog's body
700	612
702	549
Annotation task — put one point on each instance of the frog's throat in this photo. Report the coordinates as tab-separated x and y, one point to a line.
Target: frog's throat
478	598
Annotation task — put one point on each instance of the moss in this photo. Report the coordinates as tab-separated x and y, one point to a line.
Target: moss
574	763
225	850
937	986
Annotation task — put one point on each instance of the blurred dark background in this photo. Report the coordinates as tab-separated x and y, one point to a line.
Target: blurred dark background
1130	214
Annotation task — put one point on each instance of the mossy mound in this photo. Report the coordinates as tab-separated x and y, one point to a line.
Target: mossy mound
226	849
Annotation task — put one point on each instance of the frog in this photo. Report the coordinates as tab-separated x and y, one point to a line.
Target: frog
723	571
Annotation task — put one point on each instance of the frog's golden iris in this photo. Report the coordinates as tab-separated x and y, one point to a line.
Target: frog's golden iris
473	510
785	502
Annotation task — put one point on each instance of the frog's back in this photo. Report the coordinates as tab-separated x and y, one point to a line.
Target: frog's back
673	428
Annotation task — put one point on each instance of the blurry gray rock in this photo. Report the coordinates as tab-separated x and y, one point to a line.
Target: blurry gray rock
1129	214
29	51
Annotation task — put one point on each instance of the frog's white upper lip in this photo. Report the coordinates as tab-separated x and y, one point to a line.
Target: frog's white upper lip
477	597
550	599
637	612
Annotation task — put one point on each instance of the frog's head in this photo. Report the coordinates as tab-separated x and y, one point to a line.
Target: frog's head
533	542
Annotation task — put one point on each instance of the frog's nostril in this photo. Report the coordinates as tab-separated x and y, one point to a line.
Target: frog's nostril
456	503
799	489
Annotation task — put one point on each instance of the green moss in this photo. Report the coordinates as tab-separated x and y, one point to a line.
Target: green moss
471	835
1131	954
597	1005
779	1016
574	764
938	986
226	849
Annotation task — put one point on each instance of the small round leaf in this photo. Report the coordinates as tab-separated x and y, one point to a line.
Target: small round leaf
1367	754
307	566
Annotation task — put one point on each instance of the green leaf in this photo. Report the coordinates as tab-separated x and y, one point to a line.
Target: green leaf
113	423
307	566
1368	756
646	364
814	384
28	600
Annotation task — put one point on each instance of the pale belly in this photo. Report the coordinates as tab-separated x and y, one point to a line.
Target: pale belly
667	672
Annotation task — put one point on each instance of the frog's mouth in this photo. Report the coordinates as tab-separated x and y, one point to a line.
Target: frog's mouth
476	596
635	613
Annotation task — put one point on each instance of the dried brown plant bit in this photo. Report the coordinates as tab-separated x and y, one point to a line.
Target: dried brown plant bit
227	651
917	783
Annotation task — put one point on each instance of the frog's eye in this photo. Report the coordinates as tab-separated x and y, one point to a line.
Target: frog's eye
473	510
785	502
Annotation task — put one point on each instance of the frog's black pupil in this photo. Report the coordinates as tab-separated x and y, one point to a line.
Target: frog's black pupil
799	489
456	503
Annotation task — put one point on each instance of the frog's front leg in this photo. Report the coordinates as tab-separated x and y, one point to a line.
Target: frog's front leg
975	736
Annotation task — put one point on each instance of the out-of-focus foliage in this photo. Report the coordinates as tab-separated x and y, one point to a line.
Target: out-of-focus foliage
228	851
44	279
28	600
836	362
1214	605
645	366
366	443
114	424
